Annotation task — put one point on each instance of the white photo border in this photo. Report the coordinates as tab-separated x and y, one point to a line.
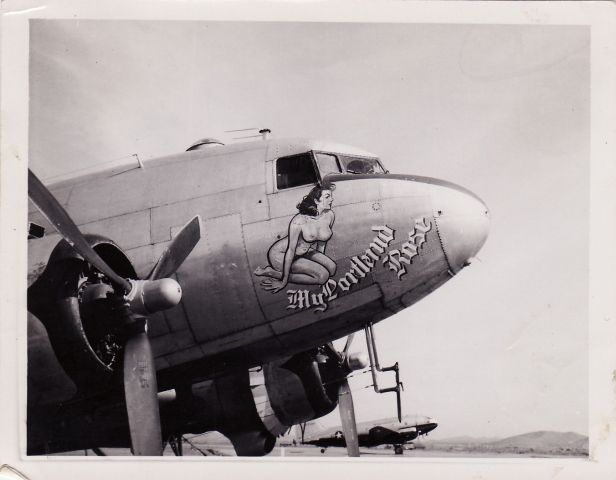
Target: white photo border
599	16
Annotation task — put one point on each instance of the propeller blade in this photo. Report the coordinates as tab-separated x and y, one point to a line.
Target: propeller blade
140	390
347	345
59	218
347	417
177	251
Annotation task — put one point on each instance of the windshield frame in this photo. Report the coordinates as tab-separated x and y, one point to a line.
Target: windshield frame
343	166
319	174
333	154
351	158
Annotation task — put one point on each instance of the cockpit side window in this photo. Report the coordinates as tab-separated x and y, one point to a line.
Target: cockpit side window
295	170
327	163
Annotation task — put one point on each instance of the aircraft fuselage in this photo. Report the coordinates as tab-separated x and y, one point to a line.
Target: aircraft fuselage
393	240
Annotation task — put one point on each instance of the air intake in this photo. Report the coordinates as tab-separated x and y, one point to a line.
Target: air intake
204	143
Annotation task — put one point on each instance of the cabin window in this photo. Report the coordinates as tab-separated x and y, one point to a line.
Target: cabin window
327	163
295	170
361	165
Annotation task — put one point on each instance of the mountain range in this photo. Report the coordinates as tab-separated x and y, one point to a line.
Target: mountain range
539	442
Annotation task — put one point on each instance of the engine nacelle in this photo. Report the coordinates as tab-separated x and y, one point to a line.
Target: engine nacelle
251	410
224	404
70	299
300	388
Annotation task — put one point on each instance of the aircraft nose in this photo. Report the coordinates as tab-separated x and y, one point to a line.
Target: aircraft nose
463	223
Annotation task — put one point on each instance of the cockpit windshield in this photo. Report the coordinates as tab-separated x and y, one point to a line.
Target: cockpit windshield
360	165
305	168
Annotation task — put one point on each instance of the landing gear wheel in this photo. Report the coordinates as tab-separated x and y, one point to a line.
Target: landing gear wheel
398	450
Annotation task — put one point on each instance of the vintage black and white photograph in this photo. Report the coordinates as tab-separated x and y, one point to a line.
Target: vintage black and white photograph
307	239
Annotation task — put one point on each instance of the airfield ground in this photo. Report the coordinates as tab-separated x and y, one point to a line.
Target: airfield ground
199	448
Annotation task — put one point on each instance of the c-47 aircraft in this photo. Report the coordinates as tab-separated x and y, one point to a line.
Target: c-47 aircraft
159	287
387	431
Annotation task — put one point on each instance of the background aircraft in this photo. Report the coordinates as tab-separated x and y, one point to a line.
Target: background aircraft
194	268
386	431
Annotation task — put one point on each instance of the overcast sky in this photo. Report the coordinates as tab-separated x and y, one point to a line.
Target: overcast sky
503	110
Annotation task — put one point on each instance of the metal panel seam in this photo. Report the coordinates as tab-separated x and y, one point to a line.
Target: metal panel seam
248	263
440	240
167	204
196	343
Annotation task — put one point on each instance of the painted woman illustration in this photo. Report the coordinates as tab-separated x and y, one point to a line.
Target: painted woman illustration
300	256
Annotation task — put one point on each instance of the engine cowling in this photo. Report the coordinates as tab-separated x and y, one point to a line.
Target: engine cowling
71	300
300	388
224	404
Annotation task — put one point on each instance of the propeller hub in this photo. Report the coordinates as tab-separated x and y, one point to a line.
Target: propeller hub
356	361
151	296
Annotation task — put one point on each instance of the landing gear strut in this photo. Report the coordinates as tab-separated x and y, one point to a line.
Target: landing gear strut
175	442
375	367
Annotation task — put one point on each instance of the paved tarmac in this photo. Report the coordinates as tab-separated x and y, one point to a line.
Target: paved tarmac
197	446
